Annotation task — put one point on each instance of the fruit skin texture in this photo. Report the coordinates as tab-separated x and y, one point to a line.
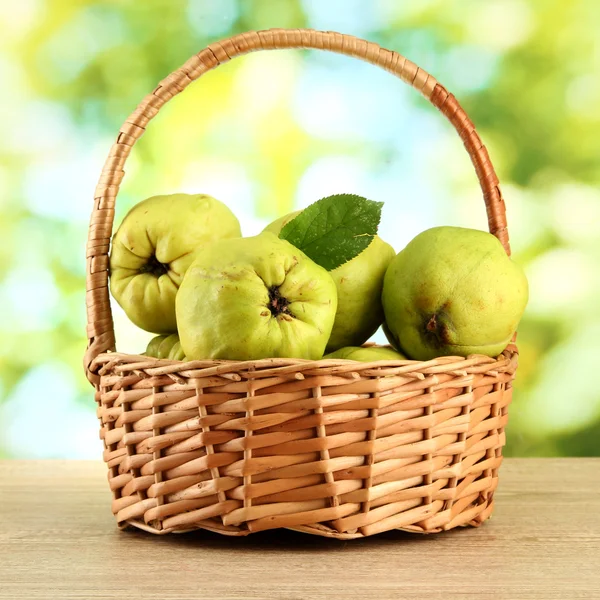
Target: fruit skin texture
252	298
165	346
160	346
369	354
176	352
359	283
153	248
277	225
153	344
453	291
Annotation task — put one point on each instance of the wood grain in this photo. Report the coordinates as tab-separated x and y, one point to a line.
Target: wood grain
58	540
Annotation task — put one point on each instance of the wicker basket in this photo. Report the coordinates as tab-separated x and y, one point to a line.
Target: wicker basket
331	447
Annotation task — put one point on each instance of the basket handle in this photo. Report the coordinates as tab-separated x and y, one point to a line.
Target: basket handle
100	328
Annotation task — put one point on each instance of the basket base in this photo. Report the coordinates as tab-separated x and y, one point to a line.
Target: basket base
318	529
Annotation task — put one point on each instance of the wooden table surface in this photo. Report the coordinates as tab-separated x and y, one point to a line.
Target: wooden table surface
58	539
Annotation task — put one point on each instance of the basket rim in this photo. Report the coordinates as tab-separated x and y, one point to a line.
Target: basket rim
115	362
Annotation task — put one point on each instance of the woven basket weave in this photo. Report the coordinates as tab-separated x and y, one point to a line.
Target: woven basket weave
331	447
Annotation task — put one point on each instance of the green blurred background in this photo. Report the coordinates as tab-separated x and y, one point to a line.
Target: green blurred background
271	132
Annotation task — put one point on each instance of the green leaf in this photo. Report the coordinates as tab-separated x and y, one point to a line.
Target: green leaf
335	229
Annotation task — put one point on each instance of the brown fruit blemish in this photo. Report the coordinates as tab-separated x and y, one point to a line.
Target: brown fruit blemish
437	330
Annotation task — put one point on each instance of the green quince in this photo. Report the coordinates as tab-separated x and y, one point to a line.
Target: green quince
453	291
368	354
253	298
165	346
153	248
153	345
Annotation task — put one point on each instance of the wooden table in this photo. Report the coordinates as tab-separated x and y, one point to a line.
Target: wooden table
59	540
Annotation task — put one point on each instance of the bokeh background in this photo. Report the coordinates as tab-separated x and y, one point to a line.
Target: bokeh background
272	132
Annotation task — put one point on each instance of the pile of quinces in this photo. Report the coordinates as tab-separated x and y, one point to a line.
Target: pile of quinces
314	284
